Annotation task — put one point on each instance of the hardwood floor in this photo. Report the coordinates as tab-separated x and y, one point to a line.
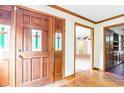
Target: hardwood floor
90	79
118	69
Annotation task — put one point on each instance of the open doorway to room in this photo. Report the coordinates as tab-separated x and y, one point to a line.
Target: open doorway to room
114	49
83	48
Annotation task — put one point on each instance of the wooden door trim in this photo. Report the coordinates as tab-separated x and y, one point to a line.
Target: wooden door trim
39	12
14	46
63	51
104	41
92	44
11	22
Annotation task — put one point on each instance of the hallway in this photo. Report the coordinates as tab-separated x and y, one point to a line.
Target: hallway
82	64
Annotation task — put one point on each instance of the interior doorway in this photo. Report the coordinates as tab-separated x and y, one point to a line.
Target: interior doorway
83	48
114	49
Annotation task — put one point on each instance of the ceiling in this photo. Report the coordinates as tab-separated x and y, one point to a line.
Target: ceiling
118	29
95	12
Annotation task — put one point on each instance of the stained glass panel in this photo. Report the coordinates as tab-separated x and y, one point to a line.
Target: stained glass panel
36	40
58	41
4	37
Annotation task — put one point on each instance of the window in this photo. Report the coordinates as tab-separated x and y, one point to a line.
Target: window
58	41
4	37
36	40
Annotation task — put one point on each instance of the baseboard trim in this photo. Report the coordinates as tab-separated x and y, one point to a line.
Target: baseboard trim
69	76
95	68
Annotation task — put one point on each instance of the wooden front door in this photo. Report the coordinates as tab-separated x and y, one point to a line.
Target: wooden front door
6	50
59	48
33	48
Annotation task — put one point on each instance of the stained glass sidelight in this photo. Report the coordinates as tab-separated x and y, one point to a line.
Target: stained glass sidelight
36	40
4	37
58	41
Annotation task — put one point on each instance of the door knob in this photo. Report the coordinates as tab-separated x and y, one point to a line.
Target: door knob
19	53
19	50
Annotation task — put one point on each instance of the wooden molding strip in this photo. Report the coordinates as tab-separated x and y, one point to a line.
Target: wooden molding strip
111	18
115	25
96	68
72	13
89	27
70	76
37	11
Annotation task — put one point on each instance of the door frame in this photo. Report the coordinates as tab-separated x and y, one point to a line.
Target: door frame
104	41
92	45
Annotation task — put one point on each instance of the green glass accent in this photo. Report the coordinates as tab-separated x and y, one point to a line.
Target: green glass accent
36	41
58	41
2	36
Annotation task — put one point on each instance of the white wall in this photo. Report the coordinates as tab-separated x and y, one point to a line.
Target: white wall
69	34
98	54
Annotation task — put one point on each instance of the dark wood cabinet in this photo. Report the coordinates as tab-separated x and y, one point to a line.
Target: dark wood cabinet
113	48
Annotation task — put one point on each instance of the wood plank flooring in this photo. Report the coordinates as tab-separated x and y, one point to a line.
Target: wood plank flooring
90	78
118	69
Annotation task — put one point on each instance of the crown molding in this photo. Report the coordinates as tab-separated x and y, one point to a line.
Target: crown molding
111	18
82	17
72	13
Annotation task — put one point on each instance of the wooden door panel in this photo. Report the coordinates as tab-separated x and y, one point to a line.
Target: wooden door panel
36	21
6	50
36	68
26	39
45	24
34	64
58	66
5	15
26	19
45	67
4	72
58	53
25	70
45	40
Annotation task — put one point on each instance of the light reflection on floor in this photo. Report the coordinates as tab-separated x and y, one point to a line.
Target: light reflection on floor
82	64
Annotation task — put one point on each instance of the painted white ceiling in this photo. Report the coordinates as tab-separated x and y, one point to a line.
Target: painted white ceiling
96	12
82	32
118	29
